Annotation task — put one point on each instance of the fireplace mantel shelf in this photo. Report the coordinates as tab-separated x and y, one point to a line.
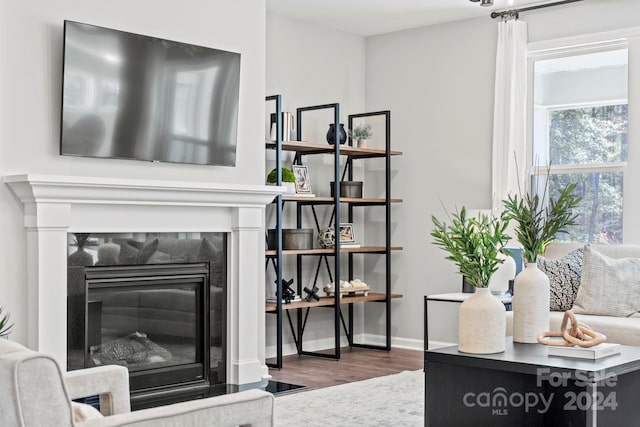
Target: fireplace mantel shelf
31	188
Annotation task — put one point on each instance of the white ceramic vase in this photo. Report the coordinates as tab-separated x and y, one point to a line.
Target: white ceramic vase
481	324
362	143
499	283
530	304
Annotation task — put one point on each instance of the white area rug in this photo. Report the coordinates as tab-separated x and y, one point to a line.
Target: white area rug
393	400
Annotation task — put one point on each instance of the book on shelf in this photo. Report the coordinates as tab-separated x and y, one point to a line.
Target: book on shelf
349	245
273	299
291	141
596	352
304	195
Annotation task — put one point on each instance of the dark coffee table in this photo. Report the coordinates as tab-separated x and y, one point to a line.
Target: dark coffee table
524	386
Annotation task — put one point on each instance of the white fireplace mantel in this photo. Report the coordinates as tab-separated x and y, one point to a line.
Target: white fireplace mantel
56	205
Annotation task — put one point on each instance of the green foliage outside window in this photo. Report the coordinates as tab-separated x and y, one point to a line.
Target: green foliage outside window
590	135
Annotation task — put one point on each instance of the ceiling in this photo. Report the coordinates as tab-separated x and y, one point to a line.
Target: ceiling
371	17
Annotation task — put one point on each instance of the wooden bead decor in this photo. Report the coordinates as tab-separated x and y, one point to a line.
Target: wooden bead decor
575	334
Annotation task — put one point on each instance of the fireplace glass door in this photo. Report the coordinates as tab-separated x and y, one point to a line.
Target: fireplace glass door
151	319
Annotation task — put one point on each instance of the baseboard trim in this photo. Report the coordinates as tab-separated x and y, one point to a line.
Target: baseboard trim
406	343
398	342
372	339
437	344
289	349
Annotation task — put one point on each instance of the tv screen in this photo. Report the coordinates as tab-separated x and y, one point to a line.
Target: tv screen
130	96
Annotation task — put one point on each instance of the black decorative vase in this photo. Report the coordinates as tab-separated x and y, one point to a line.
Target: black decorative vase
331	134
467	287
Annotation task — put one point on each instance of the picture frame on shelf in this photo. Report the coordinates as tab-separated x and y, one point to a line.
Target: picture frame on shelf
347	234
302	182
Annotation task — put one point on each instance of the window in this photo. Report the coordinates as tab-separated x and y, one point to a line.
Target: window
579	134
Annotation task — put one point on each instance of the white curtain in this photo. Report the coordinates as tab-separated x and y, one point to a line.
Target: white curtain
509	113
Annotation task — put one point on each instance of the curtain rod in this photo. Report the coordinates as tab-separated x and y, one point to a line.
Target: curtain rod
526	9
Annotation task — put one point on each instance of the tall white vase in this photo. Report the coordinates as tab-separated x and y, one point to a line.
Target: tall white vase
530	304
481	324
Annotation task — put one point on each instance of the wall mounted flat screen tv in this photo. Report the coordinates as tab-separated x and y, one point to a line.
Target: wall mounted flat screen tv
130	96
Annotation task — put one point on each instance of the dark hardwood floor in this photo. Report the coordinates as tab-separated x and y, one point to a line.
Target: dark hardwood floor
355	364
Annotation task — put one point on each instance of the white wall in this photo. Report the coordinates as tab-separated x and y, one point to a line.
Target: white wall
30	98
311	65
438	82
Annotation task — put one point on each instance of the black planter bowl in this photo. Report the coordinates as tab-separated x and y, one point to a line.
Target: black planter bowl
351	189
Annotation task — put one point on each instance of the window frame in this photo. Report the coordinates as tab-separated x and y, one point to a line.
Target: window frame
555	169
625	39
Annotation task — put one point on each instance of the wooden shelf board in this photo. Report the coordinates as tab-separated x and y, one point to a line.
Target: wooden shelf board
329	301
305	147
367	200
329	200
319	251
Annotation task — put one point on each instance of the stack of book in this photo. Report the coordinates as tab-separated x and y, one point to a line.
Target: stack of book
350	245
273	299
596	352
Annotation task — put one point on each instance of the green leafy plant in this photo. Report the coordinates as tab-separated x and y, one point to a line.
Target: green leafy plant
287	176
537	224
361	132
5	326
473	244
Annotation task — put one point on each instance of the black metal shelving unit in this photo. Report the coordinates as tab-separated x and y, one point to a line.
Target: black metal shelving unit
276	256
337	313
387	204
277	99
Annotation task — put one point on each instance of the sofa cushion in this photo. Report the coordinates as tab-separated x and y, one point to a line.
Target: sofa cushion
557	250
621	330
608	287
7	347
564	278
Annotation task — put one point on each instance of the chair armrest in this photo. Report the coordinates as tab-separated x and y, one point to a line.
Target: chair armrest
110	382
253	408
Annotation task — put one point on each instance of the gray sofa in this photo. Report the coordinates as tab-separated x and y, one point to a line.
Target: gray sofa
618	329
36	393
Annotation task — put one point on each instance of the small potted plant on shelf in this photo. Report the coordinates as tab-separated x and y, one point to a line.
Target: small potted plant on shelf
5	326
474	244
538	221
361	134
288	179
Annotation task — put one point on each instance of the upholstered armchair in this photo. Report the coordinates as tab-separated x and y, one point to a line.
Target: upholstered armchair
35	393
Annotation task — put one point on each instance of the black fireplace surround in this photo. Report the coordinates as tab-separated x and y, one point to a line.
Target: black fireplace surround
153	302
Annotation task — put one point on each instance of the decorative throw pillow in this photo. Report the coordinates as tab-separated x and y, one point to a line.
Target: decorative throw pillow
609	287
133	252
128	253
564	278
147	250
83	412
206	251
